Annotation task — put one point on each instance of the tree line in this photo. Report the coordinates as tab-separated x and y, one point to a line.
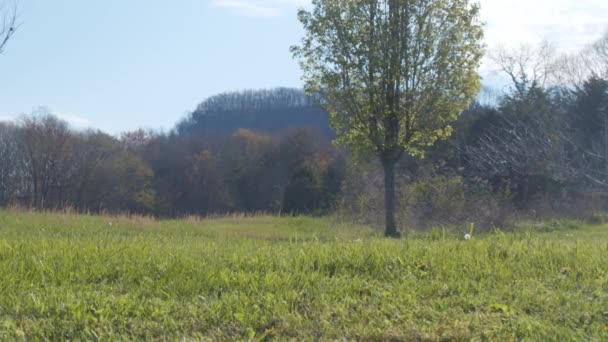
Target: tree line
45	164
392	86
539	140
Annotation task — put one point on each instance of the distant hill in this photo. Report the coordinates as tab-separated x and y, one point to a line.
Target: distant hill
270	111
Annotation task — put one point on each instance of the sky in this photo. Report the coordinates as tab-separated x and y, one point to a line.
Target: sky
119	65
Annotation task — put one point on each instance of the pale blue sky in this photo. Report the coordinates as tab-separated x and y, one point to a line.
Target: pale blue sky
123	64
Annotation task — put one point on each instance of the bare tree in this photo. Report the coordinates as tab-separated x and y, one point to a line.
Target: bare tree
515	148
574	69
601	48
10	163
522	141
538	135
47	150
527	66
8	22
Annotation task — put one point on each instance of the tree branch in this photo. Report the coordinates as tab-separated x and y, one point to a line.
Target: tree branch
9	25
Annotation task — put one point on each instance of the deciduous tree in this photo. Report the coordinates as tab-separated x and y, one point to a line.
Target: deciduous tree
393	73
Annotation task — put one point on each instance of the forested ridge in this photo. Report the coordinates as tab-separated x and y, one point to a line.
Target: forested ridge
248	151
268	111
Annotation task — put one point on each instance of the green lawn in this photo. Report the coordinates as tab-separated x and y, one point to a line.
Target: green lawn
87	278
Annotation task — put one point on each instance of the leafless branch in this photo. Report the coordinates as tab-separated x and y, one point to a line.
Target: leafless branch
526	66
574	69
8	22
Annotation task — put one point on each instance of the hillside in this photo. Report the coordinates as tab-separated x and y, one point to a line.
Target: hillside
267	111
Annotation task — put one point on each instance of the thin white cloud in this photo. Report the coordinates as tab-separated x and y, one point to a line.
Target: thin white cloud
74	120
259	8
247	8
569	24
7	117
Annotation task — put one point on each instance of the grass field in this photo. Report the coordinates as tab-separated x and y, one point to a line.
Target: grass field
64	276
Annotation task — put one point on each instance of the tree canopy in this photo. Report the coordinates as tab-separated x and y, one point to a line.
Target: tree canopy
393	73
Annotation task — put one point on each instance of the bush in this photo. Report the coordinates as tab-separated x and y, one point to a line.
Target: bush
436	201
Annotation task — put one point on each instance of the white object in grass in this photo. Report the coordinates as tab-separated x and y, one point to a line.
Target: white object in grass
467	236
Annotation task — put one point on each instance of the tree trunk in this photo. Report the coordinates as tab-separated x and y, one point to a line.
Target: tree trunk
606	143
389	199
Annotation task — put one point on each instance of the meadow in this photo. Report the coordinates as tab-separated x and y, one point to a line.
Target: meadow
78	277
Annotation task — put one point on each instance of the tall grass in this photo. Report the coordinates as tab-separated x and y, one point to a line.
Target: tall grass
68	276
